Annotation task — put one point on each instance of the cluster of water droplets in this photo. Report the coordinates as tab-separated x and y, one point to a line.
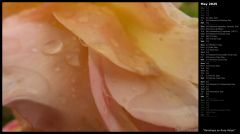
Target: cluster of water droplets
54	47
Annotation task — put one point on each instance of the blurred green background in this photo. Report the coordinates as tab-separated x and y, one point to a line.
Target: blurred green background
6	115
190	8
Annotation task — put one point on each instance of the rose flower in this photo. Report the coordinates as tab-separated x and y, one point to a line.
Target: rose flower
100	66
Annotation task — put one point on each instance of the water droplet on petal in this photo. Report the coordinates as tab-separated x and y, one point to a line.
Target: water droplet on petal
160	37
53	47
73	90
73	59
82	43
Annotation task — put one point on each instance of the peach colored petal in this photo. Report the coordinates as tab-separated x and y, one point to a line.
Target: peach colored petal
101	30
171	41
11	8
46	79
113	114
142	64
140	37
162	100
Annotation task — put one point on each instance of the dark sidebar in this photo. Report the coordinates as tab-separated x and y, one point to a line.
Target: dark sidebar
219	59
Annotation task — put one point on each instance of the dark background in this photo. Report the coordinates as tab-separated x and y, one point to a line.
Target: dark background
230	69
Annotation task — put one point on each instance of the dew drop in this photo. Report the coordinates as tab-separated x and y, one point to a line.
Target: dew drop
73	90
83	43
160	37
73	59
53	47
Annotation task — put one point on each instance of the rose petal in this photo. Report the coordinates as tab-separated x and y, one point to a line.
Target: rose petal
140	37
100	29
113	114
46	79
162	100
12	126
167	41
11	8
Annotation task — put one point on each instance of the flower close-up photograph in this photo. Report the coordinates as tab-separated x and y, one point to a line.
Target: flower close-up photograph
100	66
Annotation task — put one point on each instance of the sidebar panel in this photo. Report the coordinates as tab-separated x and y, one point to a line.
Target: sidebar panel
219	59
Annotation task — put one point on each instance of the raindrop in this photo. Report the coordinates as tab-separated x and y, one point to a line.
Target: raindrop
73	93
73	59
160	37
83	43
53	47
